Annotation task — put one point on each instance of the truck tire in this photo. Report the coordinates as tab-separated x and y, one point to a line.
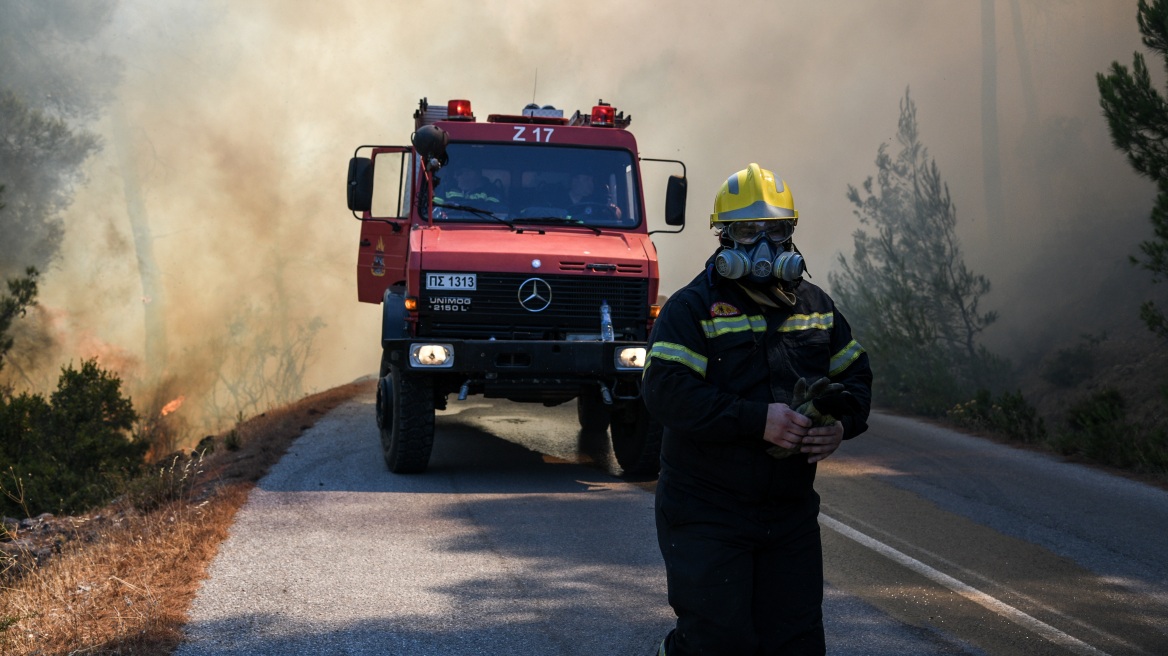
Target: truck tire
383	389
591	411
636	440
384	396
407	420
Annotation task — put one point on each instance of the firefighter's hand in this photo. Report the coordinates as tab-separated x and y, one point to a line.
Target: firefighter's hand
822	441
785	428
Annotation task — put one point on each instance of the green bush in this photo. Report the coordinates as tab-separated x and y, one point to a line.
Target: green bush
1097	429
930	380
915	380
72	452
1009	415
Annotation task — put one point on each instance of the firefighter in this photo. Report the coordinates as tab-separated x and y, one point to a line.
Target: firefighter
736	510
471	189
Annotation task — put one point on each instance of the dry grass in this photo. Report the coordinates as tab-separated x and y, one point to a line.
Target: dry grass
122	584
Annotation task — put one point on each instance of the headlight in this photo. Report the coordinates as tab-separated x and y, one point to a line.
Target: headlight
432	355
630	357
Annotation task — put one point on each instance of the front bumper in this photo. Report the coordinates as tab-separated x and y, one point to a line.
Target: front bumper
511	359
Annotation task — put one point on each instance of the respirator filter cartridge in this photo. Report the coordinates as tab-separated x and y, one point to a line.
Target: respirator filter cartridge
731	264
789	266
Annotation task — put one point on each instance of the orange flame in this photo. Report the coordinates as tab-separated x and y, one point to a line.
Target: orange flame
172	406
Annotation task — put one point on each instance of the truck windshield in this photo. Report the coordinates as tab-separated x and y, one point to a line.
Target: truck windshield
538	184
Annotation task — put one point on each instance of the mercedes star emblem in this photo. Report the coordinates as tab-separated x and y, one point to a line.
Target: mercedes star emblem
535	294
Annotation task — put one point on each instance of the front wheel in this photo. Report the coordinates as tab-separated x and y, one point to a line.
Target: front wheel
406	412
636	440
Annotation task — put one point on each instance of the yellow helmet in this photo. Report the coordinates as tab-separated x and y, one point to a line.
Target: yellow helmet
754	194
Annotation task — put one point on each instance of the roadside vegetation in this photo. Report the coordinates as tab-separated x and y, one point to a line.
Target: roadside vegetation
1136	116
109	517
120	577
102	545
915	305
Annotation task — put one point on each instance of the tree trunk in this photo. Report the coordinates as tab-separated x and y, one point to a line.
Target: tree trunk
153	294
991	157
1027	79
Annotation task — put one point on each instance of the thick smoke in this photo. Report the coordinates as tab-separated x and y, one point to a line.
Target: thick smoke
227	143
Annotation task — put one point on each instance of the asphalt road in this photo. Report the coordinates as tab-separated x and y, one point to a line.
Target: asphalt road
521	540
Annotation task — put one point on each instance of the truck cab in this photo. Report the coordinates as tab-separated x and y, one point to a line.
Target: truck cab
512	258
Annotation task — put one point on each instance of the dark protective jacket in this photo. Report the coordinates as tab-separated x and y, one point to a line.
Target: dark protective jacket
717	358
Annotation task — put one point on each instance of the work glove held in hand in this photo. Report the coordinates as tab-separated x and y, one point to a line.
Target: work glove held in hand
821	402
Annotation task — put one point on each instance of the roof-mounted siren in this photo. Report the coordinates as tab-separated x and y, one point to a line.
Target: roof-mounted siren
459	110
603	115
533	110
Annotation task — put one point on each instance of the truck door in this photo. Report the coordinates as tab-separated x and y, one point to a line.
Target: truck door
380	188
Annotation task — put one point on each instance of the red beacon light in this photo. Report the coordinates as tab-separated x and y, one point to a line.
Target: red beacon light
459	110
603	115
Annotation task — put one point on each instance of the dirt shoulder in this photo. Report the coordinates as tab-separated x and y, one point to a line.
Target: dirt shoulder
119	579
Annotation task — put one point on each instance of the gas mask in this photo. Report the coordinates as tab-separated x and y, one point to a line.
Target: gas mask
757	250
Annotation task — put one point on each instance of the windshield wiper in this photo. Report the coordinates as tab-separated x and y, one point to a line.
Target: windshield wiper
557	220
475	210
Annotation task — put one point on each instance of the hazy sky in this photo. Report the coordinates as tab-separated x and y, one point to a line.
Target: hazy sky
241	117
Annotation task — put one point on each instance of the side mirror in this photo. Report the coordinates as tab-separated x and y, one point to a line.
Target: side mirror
360	184
675	201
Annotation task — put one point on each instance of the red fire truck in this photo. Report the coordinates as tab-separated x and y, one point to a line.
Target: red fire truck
512	259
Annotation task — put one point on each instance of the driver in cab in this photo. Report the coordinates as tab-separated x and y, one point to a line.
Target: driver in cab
583	202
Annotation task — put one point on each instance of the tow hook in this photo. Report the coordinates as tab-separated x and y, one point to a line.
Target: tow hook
605	394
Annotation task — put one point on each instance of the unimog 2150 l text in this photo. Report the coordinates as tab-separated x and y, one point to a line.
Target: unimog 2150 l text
512	259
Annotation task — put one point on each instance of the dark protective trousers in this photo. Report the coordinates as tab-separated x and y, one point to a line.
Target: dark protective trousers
744	581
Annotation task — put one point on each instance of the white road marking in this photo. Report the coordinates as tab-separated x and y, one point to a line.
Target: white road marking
973	594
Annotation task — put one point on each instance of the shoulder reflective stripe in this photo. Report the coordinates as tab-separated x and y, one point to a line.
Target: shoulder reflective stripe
742	323
817	320
845	357
678	353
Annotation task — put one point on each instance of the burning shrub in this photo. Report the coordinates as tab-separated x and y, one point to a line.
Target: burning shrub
71	452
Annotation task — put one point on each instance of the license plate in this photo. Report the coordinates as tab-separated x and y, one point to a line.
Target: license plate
463	281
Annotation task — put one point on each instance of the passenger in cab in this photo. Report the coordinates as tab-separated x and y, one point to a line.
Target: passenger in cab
470	189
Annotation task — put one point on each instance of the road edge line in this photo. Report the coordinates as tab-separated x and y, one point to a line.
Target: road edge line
969	592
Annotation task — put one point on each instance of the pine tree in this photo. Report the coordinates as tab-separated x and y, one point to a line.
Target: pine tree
1137	116
54	79
906	289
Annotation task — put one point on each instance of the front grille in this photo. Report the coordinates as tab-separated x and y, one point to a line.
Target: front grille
494	309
